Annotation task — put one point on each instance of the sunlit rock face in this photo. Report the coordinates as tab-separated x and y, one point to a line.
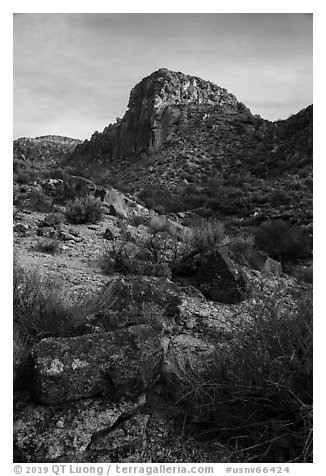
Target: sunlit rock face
158	108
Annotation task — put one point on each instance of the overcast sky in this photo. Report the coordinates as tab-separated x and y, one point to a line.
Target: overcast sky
73	72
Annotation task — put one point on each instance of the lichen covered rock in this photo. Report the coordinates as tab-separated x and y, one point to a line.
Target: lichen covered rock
65	432
112	364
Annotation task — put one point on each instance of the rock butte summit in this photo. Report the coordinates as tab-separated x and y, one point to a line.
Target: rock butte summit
158	107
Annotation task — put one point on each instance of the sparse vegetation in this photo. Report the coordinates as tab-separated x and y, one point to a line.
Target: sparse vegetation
205	233
84	210
118	257
40	308
103	305
257	396
49	246
241	248
283	241
304	273
229	189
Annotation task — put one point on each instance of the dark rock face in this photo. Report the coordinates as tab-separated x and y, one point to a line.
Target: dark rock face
112	364
215	276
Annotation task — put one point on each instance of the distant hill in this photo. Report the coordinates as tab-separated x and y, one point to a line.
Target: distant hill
40	156
48	147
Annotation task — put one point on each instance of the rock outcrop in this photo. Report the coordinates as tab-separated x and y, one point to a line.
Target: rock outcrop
113	364
72	432
215	275
157	109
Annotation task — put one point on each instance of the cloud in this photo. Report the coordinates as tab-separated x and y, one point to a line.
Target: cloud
71	70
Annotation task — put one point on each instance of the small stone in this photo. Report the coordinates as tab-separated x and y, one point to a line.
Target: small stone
21	228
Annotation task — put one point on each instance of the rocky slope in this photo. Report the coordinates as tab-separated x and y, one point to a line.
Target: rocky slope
146	335
181	133
44	147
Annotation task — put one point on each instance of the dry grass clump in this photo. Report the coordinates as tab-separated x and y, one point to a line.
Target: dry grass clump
41	308
241	248
207	232
257	395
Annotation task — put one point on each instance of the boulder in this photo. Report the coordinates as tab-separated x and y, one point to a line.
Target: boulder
116	203
215	275
112	364
117	211
66	432
65	236
273	267
124	437
21	228
111	232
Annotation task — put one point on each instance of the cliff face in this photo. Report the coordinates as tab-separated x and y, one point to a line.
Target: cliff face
157	109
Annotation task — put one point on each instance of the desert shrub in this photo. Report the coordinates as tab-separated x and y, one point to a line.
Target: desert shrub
50	246
56	173
138	220
161	199
241	248
161	247
103	305
39	201
84	210
40	309
283	241
53	219
159	224
256	394
118	257
23	173
207	232
73	189
147	260
304	273
279	197
213	185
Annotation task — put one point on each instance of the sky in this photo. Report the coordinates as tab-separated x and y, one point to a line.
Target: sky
73	72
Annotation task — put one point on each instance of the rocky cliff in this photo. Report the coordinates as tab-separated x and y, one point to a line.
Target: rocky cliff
158	108
201	148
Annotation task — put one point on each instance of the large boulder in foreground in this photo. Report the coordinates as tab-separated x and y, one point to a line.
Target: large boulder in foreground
214	274
76	431
112	364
